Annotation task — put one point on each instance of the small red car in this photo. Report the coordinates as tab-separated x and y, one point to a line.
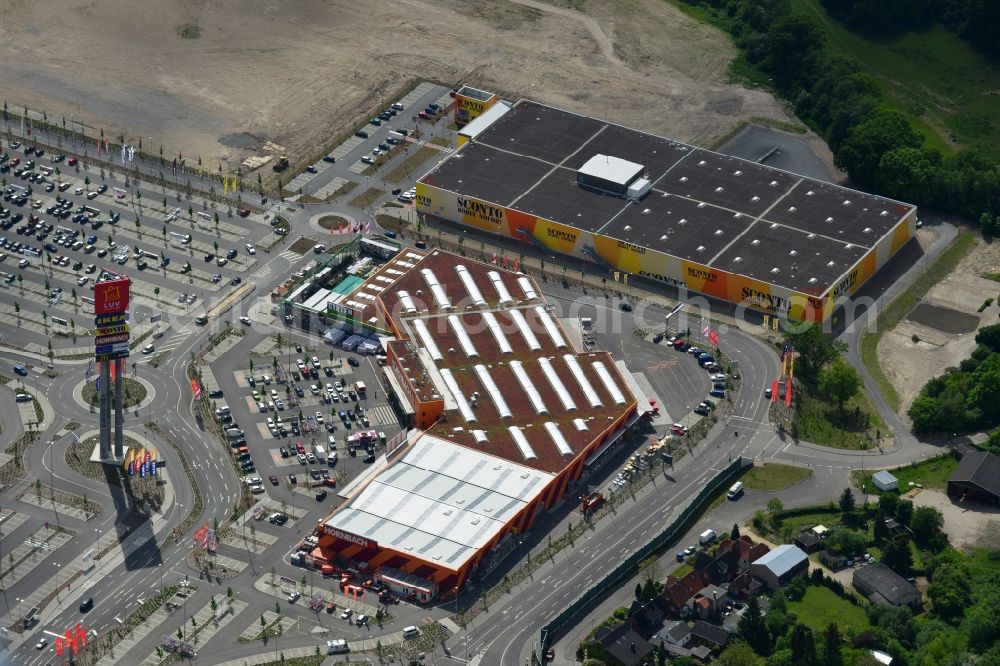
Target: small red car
299	448
71	161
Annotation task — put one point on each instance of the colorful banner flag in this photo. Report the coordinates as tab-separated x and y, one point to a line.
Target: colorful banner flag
81	635
59	647
505	261
713	337
784	350
225	185
517	264
195	388
232	186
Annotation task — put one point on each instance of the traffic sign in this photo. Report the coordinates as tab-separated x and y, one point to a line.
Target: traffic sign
111	330
103	340
100	321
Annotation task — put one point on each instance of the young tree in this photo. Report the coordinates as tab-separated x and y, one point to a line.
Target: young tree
735	533
774	506
897	556
831	646
926	524
838	382
751	628
847	501
803	645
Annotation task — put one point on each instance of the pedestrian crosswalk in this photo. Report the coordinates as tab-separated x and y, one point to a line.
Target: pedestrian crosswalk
382	414
290	255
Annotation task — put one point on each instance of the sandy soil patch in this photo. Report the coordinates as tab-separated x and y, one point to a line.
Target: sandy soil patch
219	79
910	361
968	525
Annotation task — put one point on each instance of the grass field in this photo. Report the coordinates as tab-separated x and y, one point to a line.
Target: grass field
414	160
366	198
893	313
820	606
853	427
947	89
772	476
932	473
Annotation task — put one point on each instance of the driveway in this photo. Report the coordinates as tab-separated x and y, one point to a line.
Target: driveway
965	524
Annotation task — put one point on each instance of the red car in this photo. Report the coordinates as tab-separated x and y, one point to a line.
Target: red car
299	448
14	161
678	343
678	429
71	161
424	115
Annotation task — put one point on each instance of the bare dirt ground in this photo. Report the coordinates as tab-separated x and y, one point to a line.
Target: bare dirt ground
967	525
218	79
907	362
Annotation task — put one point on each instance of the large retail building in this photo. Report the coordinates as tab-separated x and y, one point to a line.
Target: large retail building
633	202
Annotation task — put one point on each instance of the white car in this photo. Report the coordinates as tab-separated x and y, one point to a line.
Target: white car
293	596
253	480
274	394
42	642
302	459
280	405
78	191
319	417
314	389
261	407
718	377
367	160
266	379
270	422
272	406
148	349
250	249
245	320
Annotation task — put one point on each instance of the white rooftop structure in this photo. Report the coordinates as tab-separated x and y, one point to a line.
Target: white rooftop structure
502	343
463	336
501	288
522	325
470	285
550	327
427	339
440	502
611	169
581	379
476	126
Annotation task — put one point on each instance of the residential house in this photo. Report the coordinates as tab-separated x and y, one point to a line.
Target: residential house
647	619
677	591
780	566
882	585
709	601
675	632
808	542
624	644
710	635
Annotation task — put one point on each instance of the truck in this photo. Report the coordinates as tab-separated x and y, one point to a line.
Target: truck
360	387
591	502
281	164
320	453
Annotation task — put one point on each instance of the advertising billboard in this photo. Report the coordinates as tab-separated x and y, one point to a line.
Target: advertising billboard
111	297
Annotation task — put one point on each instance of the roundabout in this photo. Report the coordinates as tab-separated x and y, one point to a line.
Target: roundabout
139	393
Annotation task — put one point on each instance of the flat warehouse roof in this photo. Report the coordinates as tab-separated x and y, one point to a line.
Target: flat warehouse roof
704	207
440	502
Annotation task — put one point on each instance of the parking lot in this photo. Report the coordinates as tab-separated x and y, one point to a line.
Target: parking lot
61	223
305	417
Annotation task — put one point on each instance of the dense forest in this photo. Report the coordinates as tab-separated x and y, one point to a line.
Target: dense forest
871	140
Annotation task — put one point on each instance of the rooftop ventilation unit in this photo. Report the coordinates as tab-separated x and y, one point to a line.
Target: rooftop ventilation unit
406	301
